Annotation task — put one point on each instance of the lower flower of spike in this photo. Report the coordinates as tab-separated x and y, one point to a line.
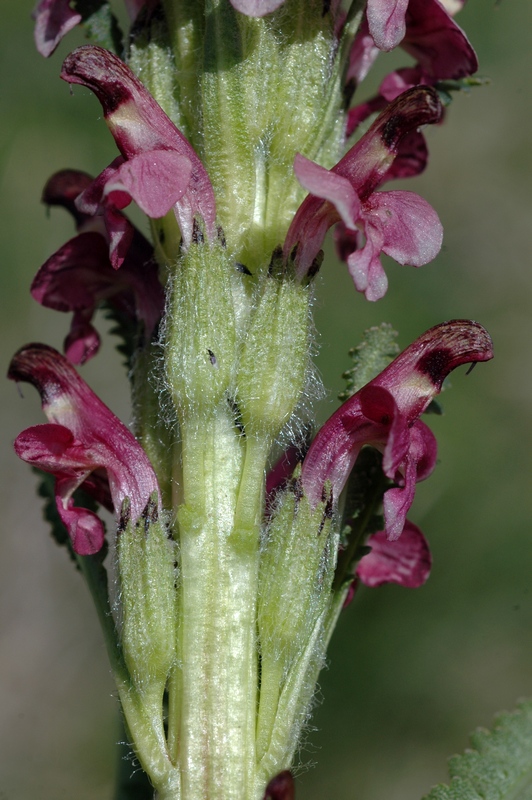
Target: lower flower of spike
82	437
385	414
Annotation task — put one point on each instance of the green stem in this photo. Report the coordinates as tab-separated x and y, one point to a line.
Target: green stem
212	724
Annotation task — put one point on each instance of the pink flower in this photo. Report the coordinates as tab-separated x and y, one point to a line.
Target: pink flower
82	439
439	46
406	561
158	168
79	276
385	414
398	223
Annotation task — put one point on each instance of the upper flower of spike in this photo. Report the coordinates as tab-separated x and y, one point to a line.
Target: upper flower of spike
158	167
398	223
431	36
55	18
83	436
385	413
79	276
437	43
439	46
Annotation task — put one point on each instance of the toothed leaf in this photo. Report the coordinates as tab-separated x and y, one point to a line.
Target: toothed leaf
371	356
499	765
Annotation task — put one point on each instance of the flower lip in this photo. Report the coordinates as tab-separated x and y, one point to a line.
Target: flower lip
406	562
79	278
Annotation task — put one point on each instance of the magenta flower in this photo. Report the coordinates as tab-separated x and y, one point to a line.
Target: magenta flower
79	276
398	223
66	187
385	414
158	168
406	561
82	439
439	46
437	43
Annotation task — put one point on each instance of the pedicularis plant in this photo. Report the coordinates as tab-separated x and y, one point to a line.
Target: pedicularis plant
240	532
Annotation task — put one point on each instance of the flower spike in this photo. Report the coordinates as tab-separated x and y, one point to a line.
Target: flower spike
385	413
158	167
398	223
82	437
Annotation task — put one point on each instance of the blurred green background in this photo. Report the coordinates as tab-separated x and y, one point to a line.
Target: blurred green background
410	673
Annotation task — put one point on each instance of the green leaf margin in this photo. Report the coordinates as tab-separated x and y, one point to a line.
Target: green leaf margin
499	765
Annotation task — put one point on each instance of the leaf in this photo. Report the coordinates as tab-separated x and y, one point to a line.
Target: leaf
100	24
127	332
500	765
371	356
445	87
